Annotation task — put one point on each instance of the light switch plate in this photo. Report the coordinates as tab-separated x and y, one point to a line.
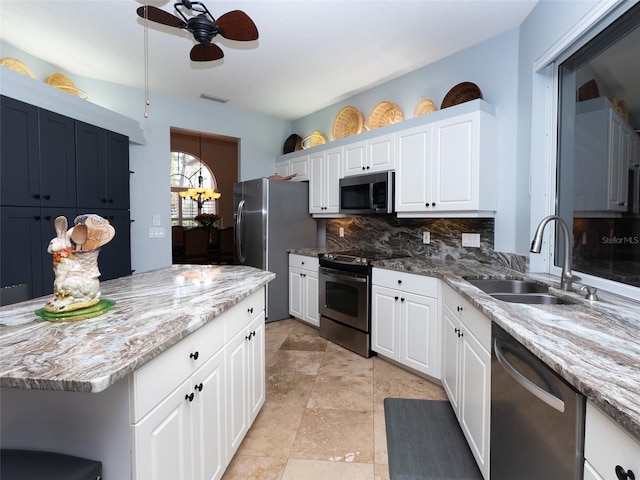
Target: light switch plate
426	237
471	240
341	232
156	220
156	232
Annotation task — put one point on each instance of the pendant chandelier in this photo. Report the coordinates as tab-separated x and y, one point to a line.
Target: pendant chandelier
200	194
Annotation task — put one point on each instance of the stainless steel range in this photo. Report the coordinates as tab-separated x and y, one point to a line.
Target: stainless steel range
345	298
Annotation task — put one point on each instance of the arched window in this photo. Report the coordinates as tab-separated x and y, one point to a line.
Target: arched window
185	172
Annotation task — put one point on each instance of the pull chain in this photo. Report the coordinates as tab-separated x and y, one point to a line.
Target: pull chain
147	102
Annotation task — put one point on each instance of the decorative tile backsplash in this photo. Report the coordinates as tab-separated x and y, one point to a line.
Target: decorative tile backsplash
404	237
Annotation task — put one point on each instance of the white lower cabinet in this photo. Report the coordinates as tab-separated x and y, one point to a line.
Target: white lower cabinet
405	322
466	371
303	288
193	404
607	447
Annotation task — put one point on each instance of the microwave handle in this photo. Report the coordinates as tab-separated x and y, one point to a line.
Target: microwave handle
371	195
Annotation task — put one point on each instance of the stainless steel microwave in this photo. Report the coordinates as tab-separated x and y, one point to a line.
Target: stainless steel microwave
370	193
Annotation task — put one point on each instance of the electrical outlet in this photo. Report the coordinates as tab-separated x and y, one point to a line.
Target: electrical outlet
341	232
426	237
471	240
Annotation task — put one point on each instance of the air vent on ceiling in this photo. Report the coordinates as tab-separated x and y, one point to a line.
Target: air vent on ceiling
213	98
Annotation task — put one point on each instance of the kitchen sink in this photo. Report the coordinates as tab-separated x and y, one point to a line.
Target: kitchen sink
510	286
530	298
517	291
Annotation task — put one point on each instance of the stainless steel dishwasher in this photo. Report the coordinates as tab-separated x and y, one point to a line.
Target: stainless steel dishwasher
537	418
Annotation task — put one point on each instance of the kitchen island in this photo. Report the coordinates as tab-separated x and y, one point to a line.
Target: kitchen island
85	387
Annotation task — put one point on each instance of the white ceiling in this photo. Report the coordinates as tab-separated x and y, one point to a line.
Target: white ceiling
310	54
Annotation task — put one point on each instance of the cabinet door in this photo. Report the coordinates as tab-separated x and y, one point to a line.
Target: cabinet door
316	183
590	472
300	167
236	371
310	305
20	153
420	342
115	256
296	292
117	170
91	154
455	164
380	153
355	159
256	366
282	168
413	163
333	172
475	385
451	358
208	417
385	321
162	439
57	160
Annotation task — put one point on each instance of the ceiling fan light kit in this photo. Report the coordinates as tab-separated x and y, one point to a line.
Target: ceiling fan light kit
196	19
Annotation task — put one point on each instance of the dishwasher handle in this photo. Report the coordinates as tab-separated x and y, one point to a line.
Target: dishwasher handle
546	397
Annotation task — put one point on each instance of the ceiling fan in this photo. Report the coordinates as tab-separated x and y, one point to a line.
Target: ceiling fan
234	25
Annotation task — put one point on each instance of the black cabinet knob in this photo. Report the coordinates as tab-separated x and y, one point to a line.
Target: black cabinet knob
47	197
194	355
199	387
189	397
459	309
368	167
622	475
363	168
399	282
37	217
36	196
396	298
402	299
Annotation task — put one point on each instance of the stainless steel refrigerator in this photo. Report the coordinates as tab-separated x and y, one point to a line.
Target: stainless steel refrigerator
271	217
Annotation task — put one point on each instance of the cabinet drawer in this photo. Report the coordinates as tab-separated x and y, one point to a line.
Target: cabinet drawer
473	319
406	282
163	374
243	314
607	445
302	261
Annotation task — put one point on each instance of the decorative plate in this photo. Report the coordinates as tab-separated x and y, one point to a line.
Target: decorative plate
98	309
385	113
425	106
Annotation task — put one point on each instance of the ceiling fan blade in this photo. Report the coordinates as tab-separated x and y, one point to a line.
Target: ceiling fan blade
160	16
206	53
236	25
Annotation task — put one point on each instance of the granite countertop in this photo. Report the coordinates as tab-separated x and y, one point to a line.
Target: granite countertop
153	311
594	346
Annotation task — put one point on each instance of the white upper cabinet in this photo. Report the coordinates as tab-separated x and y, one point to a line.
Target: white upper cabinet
606	148
368	156
447	167
298	166
325	169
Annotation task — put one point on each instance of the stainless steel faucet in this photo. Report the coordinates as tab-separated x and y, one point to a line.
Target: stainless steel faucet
566	278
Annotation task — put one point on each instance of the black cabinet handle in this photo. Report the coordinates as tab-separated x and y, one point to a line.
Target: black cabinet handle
459	309
189	397
36	196
103	200
47	197
622	475
251	334
460	334
198	387
456	330
37	217
47	217
250	310
194	355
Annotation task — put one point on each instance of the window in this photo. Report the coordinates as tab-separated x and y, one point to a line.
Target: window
598	175
185	172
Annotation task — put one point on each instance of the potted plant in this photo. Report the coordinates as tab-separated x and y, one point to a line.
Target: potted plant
207	219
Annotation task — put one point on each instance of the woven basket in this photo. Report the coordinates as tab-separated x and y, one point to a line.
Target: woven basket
64	83
349	121
16	65
314	139
425	106
385	113
461	93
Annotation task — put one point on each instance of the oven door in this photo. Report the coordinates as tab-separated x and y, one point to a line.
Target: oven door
344	297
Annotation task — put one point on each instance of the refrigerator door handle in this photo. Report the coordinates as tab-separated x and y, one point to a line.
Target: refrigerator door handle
238	231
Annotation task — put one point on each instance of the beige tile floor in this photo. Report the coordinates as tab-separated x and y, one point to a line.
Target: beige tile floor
323	418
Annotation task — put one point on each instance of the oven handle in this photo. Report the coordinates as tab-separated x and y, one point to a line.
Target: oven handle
350	277
371	185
